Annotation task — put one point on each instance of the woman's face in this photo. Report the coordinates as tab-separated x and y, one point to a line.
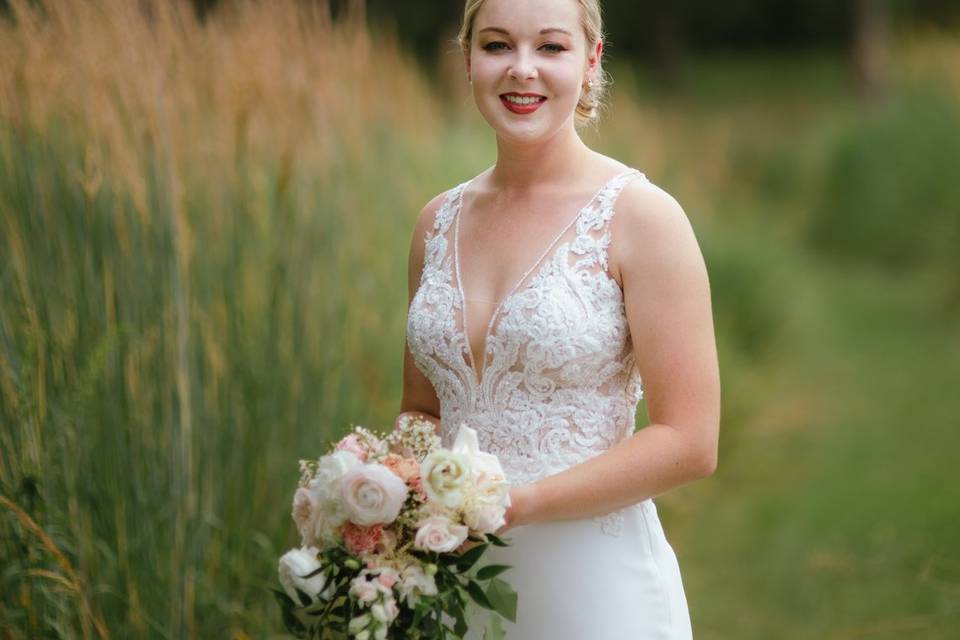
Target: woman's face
533	52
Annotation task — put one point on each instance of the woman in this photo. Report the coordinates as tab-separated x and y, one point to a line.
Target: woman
534	322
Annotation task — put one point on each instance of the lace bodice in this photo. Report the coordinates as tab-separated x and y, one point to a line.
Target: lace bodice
558	383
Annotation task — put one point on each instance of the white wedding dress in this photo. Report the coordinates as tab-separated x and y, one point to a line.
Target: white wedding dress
557	385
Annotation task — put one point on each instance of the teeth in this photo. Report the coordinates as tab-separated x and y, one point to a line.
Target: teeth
519	100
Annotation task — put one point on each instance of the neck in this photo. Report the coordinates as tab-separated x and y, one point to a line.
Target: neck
557	160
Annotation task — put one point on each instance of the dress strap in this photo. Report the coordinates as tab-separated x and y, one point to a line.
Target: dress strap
593	229
448	208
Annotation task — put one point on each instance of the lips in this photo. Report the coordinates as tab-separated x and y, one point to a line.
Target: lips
522	108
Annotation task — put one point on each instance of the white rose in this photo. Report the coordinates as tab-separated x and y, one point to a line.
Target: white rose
414	584
293	568
484	517
446	475
324	488
333	466
487	471
439	534
372	494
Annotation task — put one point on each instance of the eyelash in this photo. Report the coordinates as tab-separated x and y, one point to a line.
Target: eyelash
489	47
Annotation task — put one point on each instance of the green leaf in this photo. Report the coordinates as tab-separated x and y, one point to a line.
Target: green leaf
292	624
469	558
283	599
497	541
492	570
305	600
503	597
461	627
446	559
476	592
494	629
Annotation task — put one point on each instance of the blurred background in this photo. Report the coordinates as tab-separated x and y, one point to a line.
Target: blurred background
205	213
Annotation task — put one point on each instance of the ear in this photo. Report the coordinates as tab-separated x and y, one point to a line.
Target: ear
466	62
597	52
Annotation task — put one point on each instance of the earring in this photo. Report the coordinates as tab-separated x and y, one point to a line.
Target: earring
589	83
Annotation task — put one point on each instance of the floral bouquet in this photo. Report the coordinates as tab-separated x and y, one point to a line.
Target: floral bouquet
384	522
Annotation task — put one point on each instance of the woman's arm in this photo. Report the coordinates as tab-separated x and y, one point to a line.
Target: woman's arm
667	299
418	397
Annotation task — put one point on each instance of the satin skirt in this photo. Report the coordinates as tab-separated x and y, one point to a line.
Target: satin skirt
575	581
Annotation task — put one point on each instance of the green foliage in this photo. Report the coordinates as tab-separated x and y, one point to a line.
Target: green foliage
891	197
456	583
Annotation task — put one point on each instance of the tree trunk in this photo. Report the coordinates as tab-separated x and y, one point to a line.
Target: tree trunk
871	49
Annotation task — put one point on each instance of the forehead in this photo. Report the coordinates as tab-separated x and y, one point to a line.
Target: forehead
528	16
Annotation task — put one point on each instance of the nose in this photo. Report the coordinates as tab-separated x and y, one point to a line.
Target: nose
523	67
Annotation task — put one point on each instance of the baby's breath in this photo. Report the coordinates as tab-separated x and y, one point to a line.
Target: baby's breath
414	437
308	469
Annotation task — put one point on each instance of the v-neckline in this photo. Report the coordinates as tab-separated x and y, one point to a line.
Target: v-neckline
479	377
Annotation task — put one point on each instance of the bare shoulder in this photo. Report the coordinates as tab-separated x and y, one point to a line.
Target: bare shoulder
651	234
428	214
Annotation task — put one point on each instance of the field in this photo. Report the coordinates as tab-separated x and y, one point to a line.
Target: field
203	243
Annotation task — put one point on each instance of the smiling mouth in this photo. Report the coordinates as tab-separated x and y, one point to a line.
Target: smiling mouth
521	100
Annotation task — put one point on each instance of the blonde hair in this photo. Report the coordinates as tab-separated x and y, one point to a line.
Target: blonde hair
591	98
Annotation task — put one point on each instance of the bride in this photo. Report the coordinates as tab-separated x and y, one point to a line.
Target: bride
548	295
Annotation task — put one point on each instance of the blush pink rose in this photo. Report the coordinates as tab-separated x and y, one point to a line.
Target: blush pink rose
439	533
372	494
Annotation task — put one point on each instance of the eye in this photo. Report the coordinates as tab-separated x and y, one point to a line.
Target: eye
492	46
557	48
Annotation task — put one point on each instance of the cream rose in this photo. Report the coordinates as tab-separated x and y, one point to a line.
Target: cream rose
487	472
446	476
293	568
485	517
439	534
372	494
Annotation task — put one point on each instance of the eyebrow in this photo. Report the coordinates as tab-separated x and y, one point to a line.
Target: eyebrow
542	31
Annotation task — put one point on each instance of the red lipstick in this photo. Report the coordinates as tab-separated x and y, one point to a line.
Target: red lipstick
522	108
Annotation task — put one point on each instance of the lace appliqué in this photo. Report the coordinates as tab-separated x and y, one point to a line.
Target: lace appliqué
611	523
559	384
